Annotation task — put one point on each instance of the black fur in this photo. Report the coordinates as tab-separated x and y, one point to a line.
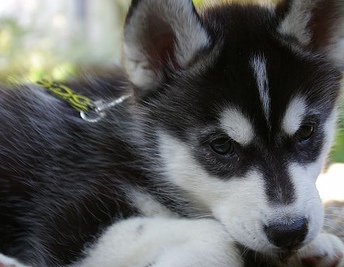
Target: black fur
61	177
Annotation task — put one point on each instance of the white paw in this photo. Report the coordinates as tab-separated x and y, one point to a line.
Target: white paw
164	242
325	251
196	254
9	262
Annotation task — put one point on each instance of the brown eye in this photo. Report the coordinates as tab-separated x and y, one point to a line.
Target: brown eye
223	146
305	132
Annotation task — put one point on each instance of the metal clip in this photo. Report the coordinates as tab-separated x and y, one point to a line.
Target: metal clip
100	107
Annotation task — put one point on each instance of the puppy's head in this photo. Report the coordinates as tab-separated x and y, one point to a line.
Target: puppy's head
240	101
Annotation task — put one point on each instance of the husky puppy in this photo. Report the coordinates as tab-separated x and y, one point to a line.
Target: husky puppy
203	152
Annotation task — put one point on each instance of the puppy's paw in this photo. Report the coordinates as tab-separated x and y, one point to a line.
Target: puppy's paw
325	251
6	261
209	245
9	262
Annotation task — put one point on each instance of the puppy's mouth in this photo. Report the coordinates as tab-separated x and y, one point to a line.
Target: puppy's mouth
285	255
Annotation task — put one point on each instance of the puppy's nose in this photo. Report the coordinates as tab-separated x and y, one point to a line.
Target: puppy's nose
287	235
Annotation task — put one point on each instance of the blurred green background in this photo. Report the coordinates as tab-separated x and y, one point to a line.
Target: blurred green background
41	38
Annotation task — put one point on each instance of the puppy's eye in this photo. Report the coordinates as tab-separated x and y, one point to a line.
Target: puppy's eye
223	146
305	132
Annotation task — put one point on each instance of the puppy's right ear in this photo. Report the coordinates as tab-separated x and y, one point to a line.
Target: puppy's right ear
317	25
160	34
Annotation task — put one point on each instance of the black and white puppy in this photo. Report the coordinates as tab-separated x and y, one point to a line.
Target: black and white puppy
203	152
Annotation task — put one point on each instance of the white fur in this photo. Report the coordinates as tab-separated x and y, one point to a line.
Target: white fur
184	171
258	64
189	33
10	262
163	242
294	115
148	206
308	201
237	126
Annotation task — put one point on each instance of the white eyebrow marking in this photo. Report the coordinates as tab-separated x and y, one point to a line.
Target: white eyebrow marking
258	64
237	126
294	115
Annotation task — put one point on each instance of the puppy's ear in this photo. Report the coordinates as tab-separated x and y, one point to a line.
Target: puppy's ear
315	24
160	34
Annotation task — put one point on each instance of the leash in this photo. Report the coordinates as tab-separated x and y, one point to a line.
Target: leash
91	111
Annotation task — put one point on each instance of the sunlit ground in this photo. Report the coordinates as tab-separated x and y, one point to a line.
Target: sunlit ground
331	183
331	189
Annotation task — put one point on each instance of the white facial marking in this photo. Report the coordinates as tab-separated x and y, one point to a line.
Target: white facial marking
258	64
308	201
294	115
183	170
237	126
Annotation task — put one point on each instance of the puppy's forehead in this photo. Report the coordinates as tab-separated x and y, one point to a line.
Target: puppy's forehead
244	122
270	100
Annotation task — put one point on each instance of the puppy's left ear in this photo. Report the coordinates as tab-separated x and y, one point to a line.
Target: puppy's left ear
315	24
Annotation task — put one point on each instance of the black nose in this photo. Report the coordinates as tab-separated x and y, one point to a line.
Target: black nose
287	235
